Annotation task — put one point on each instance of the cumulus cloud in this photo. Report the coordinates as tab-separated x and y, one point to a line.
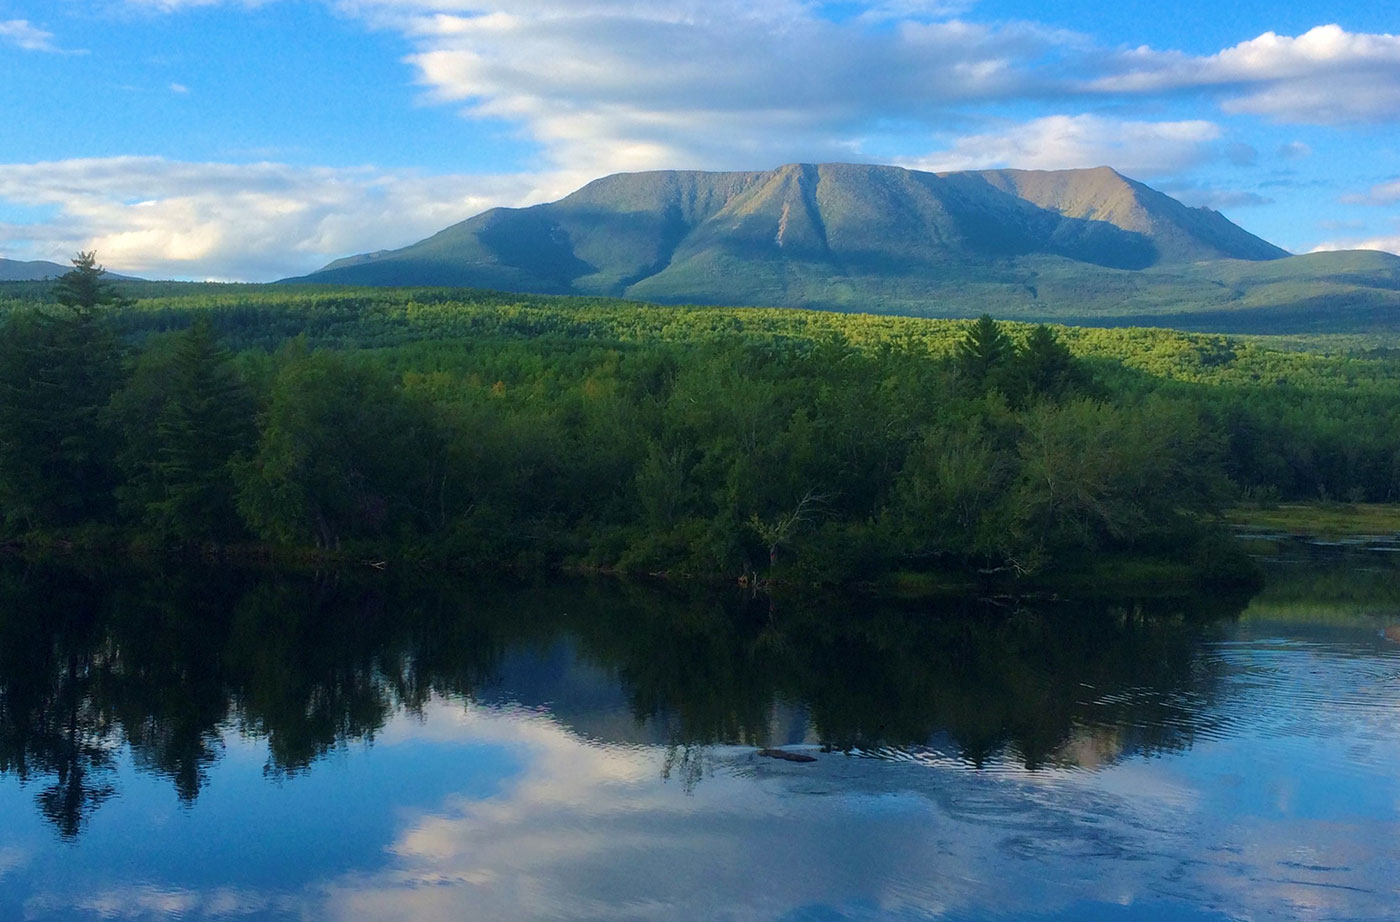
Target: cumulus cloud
1386	244
1058	142
23	34
720	84
1387	193
1327	75
608	85
627	85
165	218
661	78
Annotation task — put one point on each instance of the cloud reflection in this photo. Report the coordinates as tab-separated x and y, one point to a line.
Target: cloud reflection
593	832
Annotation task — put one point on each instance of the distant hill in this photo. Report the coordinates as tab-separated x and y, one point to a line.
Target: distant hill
13	270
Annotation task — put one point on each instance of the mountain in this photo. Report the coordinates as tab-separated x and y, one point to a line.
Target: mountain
13	270
1073	243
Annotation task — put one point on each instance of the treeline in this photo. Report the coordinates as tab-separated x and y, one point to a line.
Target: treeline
265	316
719	443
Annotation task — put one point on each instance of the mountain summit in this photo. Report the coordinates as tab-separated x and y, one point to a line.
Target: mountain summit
825	235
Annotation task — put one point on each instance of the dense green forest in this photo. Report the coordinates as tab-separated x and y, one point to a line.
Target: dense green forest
467	427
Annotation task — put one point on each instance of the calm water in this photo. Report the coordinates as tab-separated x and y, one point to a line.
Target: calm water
205	746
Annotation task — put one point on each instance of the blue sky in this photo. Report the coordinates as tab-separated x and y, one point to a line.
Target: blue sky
251	139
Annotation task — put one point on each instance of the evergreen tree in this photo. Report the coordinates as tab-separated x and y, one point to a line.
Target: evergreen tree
58	370
83	290
185	415
982	352
1044	366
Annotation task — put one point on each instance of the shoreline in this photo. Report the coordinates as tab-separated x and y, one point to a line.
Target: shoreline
1363	526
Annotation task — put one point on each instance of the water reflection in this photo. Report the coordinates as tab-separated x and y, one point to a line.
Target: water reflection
590	751
164	663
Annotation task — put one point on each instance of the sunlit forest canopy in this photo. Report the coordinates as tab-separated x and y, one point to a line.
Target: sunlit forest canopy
831	447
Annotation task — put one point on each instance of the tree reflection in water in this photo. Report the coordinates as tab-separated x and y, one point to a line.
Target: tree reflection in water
168	664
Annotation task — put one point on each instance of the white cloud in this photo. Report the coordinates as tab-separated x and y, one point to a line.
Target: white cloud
1386	244
1294	150
22	34
1387	193
622	86
1323	100
1324	76
618	85
179	89
164	218
626	85
609	85
1139	149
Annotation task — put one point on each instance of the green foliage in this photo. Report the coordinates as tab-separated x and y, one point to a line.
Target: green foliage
466	426
1044	367
1095	475
184	415
983	353
82	289
58	369
343	453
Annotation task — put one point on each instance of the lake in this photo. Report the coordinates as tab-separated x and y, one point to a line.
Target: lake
199	744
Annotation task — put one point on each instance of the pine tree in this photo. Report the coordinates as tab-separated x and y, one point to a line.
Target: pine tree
83	290
1044	364
205	422
58	369
984	350
185	414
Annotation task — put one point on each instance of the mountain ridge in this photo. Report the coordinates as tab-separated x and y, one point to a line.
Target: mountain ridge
39	270
862	237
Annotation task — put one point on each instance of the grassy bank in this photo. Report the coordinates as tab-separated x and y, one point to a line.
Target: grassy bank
1323	520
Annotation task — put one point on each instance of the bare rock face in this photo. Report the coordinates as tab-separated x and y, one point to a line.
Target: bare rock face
657	234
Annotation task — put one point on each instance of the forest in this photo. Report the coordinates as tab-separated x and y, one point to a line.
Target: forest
473	429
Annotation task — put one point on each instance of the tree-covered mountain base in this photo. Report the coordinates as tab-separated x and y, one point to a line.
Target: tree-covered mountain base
762	445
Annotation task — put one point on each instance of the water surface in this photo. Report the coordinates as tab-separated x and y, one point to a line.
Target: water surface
192	745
